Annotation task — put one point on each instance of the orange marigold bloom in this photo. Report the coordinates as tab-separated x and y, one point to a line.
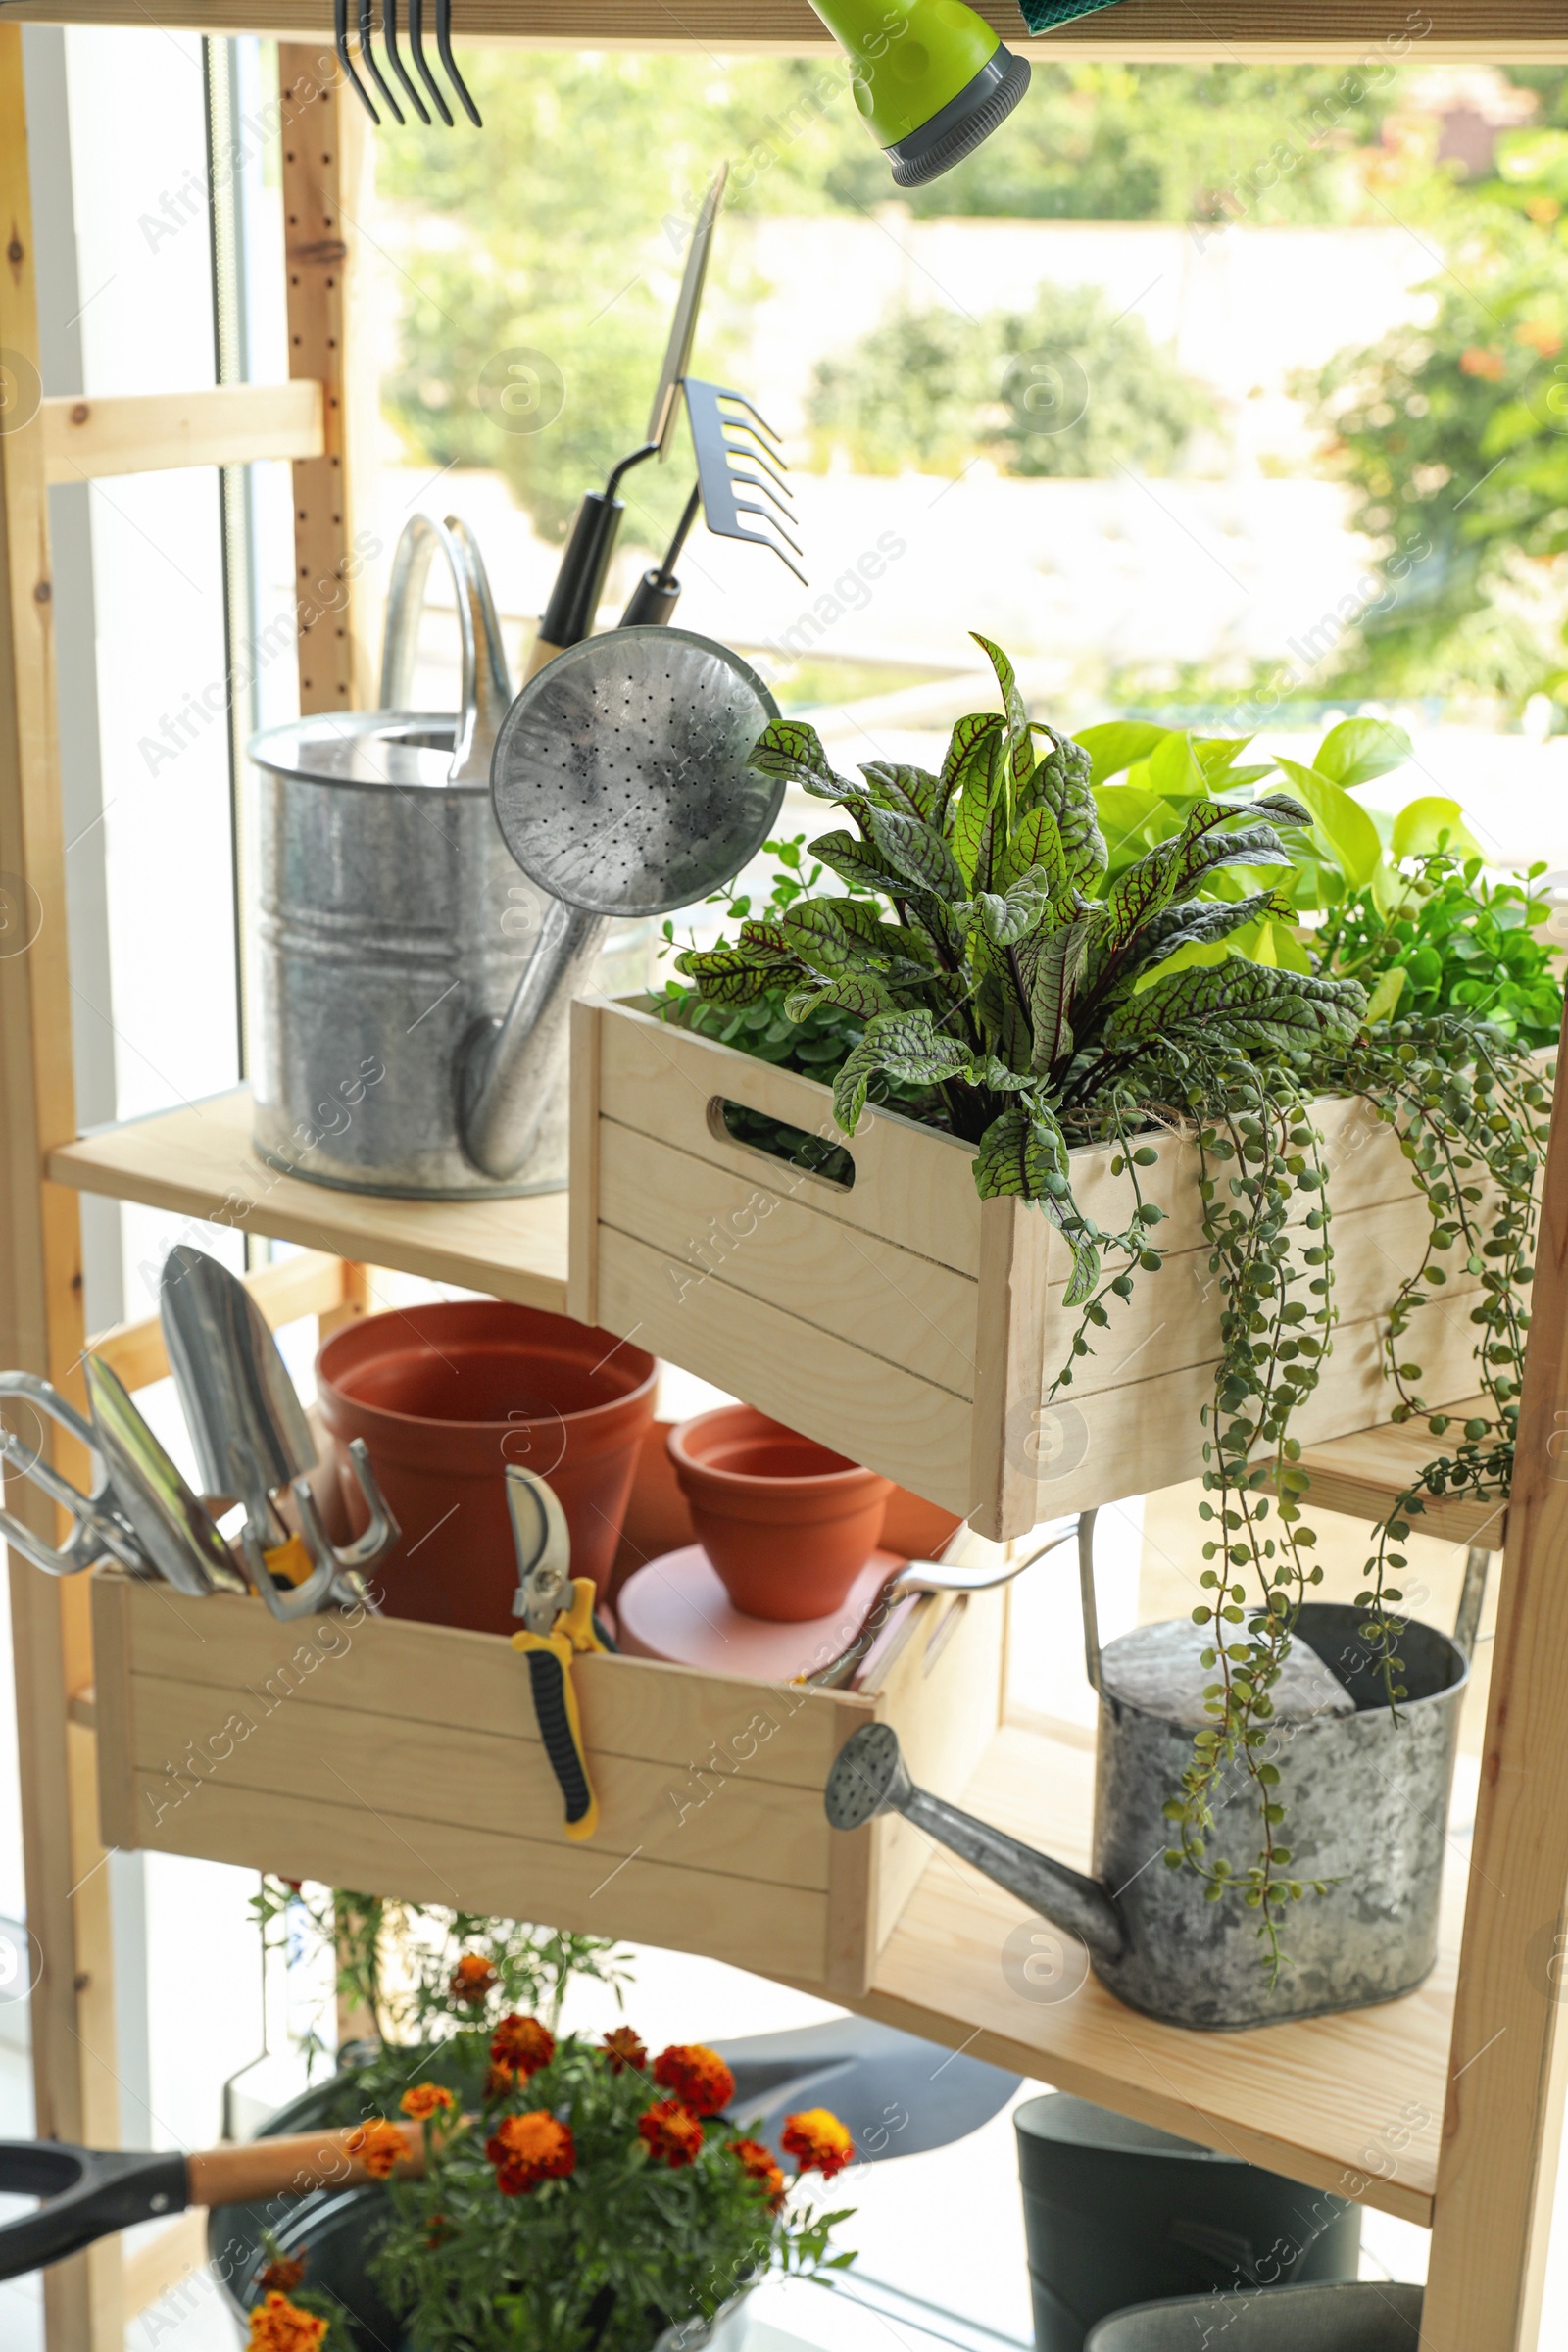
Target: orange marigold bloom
1478	361
670	2133
522	2045
279	2326
497	2082
378	2145
817	2141
424	2100
527	2150
698	2077
281	2276
472	1977
623	2050
756	2162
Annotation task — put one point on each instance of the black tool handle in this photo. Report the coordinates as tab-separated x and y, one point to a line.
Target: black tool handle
87	2193
580	585
653	602
549	1679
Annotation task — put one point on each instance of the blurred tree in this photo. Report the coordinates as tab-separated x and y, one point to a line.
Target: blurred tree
1065	389
1454	435
561	230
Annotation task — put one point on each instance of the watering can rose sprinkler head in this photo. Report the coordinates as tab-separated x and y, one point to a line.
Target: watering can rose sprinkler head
930	76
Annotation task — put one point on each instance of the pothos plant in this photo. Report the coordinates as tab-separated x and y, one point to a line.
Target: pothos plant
1027	990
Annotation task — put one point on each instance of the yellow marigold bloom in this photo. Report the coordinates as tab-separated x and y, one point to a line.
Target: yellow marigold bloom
424	2100
279	2326
817	2141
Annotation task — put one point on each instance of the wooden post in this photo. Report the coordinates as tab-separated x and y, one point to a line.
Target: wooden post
1506	2066
327	183
74	2083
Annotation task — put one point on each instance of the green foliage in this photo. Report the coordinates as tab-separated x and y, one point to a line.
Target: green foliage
395	1965
1064	389
1059	968
1451	942
607	2255
1454	435
996	971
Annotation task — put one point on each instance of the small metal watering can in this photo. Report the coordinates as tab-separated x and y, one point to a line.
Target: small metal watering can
1367	1809
396	928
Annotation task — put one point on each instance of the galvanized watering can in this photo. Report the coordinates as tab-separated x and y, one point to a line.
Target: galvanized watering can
396	928
1367	1798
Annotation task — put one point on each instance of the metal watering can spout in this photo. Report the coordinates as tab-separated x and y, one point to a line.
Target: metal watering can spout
869	1778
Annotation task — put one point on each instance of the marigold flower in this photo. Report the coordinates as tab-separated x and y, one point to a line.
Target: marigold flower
279	2326
522	2045
698	2077
1478	361
472	1977
817	2141
527	2150
670	2133
282	2275
426	2099
756	2162
625	2049
497	2082
378	2145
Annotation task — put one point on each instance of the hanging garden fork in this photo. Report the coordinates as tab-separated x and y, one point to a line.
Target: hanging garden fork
394	54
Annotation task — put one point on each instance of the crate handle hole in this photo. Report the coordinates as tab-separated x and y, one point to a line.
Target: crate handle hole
817	1155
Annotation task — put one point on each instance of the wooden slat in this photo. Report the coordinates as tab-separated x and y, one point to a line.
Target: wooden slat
199	1162
453	1681
914	1187
222	424
326	185
1333	2101
1504	2113
75	2093
310	1284
1363	1475
768	1246
1261	30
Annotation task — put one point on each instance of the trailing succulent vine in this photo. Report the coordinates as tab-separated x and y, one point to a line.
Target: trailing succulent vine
982	966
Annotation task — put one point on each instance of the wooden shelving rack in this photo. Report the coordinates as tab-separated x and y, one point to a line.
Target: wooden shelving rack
1444	2107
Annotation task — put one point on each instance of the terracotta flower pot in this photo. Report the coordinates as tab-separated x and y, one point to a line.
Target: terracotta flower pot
445	1396
788	1525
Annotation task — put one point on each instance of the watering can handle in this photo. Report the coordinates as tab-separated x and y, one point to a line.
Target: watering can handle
486	694
1086	1595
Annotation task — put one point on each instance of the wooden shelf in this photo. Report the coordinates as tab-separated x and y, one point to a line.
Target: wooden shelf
1352	2103
1364	1474
199	1162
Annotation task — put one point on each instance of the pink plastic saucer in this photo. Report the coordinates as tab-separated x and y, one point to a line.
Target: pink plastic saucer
676	1609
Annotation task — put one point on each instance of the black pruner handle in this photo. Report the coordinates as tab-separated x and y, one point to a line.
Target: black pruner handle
87	2193
555	1706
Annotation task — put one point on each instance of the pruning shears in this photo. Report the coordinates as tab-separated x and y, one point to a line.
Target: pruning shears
557	1609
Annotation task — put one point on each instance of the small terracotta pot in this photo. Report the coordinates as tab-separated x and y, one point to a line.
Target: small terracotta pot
788	1525
445	1396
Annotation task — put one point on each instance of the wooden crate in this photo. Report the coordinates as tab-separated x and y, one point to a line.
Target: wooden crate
911	1325
402	1759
